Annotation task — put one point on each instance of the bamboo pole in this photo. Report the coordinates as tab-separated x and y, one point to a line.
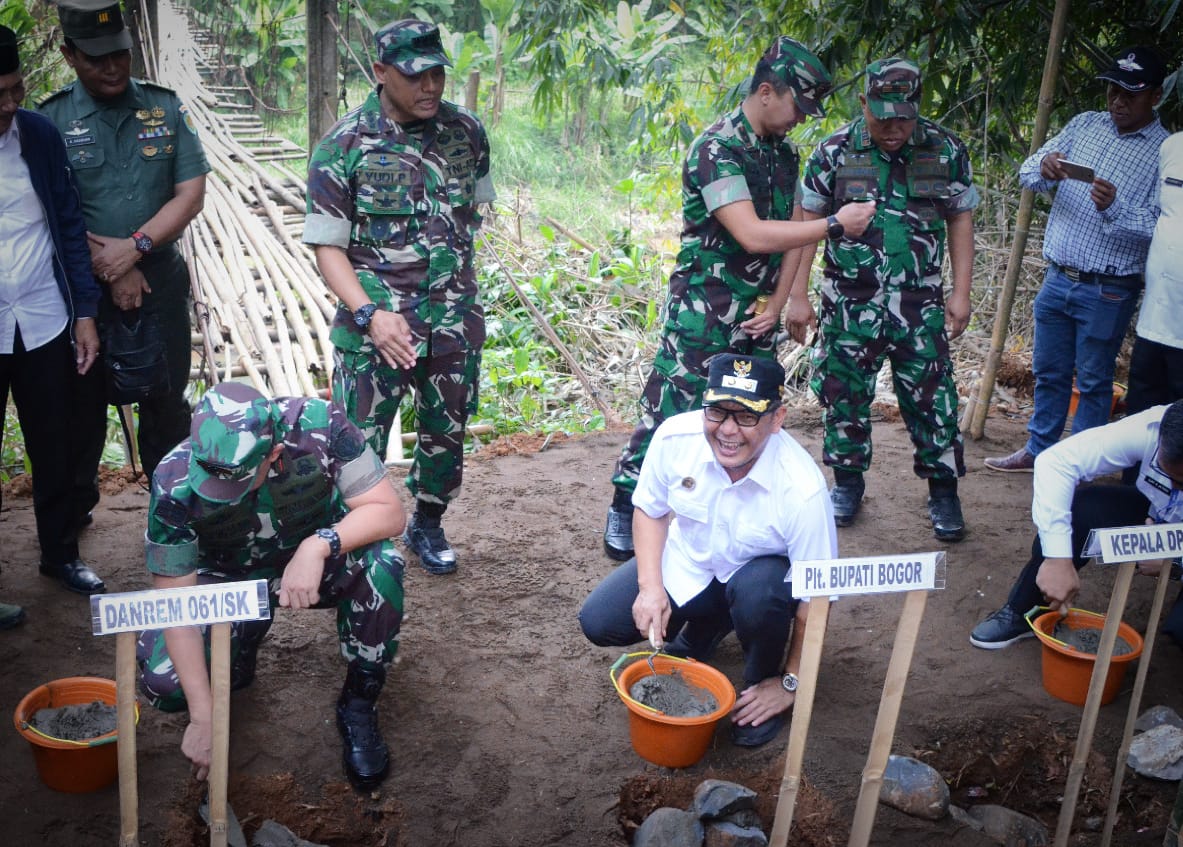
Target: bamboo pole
978	407
1160	593
1092	703
125	710
889	712
219	771
610	417
811	655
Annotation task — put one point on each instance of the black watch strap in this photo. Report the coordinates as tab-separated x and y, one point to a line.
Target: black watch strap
330	535
834	228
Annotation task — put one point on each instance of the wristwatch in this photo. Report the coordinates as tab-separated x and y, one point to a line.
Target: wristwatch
789	682
330	535
364	315
143	242
834	228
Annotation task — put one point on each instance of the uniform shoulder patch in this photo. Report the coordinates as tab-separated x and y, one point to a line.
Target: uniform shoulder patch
155	86
61	92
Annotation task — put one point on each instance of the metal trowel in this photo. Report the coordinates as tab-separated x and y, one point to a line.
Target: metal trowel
656	644
234	833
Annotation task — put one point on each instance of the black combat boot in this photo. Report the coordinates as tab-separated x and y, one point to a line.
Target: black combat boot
367	760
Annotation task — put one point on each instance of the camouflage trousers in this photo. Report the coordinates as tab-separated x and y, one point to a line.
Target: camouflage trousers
675	385
445	397
906	328
365	586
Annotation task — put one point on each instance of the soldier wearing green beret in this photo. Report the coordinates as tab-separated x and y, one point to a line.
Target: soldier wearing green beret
140	170
882	297
286	490
394	196
739	232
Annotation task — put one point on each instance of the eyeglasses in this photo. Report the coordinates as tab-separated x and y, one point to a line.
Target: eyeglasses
225	474
742	417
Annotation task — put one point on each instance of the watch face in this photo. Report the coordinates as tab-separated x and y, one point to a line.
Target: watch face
789	681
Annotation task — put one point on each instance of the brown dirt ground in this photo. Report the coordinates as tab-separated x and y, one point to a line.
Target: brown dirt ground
502	723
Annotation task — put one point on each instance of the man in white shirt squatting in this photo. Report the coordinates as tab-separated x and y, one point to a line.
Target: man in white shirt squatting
726	501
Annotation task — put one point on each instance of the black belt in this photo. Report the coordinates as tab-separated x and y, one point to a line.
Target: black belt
1127	281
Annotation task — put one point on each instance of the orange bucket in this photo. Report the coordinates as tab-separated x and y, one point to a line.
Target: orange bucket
1118	399
76	767
673	742
1067	671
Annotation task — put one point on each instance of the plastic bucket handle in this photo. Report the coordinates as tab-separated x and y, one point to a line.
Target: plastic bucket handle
619	664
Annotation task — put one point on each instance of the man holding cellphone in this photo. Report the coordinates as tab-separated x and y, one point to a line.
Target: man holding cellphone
1096	242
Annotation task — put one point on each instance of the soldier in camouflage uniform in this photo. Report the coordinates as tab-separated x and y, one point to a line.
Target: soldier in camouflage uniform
285	490
882	297
393	191
737	201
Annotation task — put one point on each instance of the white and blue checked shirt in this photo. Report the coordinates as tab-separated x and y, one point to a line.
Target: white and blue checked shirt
1116	240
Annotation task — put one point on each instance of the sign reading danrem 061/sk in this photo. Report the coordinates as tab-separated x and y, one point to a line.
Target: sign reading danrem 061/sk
196	605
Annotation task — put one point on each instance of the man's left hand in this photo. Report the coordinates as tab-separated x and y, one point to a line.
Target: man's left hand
1103	193
762	701
86	343
112	257
957	309
300	586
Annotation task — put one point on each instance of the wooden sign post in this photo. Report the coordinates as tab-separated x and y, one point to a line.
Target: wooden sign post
123	615
821	580
1123	546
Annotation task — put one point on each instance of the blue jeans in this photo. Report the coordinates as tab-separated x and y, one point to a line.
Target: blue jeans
1079	327
756	602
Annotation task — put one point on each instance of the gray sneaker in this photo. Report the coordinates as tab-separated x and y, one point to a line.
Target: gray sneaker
1002	629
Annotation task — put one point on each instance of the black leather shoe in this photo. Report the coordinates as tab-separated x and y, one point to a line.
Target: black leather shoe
947	521
756	736
430	545
618	534
847	500
76	576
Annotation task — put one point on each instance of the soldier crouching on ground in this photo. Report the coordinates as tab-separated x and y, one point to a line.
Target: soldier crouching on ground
288	491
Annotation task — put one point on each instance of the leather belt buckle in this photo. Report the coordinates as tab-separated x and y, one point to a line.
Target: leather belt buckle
1072	273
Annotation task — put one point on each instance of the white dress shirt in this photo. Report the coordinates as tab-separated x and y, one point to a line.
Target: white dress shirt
780	508
1093	453
1162	304
29	294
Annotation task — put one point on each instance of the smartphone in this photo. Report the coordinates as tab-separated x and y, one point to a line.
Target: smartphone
1077	171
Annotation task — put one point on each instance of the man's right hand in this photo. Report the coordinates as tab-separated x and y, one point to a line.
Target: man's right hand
198	747
651	610
1049	167
393	339
1059	582
800	318
856	217
128	291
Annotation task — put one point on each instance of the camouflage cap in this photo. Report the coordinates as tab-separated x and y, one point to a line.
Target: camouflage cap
232	432
893	89
803	71
95	26
757	384
10	57
411	46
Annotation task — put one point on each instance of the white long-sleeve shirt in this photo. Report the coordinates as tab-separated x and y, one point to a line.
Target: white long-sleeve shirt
1093	453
